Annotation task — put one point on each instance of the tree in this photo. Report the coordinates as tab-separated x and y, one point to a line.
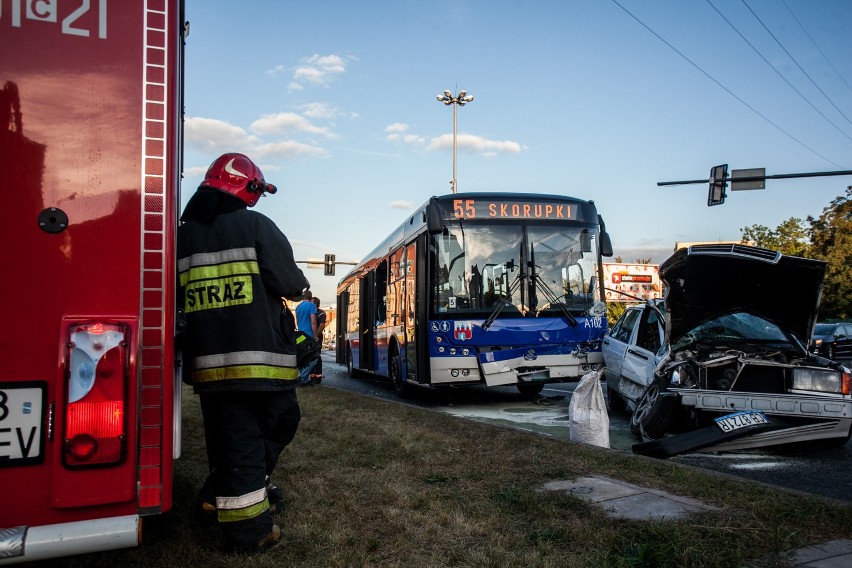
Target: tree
831	241
790	237
828	238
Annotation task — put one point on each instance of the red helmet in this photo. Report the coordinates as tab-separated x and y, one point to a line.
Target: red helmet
238	175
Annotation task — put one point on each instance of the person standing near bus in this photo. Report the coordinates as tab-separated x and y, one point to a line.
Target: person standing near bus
306	322
316	376
234	267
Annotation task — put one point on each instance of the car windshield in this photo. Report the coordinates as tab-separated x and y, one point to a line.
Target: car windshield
479	265
824	329
737	331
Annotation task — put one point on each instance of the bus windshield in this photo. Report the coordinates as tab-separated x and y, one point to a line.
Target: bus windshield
534	269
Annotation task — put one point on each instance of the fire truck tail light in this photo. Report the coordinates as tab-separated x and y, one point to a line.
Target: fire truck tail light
82	447
94	415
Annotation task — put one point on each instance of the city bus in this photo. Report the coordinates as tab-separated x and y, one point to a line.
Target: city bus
487	289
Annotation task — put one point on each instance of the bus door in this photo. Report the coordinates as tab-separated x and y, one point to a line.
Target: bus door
341	325
409	303
382	318
367	329
420	290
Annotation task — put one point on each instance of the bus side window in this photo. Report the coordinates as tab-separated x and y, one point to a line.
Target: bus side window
381	293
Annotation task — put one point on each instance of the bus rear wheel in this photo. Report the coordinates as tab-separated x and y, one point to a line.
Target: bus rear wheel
530	389
395	371
350	367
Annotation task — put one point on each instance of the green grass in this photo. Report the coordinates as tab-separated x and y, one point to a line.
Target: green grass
375	483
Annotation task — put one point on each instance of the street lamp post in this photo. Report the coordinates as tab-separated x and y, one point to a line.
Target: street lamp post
456	100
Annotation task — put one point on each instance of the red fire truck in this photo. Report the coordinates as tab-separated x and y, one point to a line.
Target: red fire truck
90	139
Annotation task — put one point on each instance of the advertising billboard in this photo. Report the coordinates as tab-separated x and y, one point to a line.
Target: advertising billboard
639	280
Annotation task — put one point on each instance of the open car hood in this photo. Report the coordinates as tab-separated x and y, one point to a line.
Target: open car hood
708	281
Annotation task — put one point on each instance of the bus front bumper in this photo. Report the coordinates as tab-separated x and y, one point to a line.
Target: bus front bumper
514	370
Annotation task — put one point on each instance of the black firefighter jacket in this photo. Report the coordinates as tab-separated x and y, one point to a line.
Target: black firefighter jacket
234	268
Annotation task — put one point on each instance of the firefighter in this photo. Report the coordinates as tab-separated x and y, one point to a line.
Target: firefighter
234	268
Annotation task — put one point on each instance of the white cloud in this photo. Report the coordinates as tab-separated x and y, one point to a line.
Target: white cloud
476	144
406	139
396	127
397	134
211	137
275	71
287	122
319	111
289	149
195	171
318	70
400	204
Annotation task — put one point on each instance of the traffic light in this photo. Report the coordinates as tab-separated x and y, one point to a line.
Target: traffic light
328	265
716	194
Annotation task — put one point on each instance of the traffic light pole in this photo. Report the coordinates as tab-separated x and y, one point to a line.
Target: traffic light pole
327	264
719	179
759	178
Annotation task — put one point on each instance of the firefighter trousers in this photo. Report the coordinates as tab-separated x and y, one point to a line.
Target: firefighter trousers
245	433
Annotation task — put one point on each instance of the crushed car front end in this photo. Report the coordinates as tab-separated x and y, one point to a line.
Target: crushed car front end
804	398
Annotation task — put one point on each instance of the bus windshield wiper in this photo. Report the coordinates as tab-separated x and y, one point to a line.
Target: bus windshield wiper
507	299
504	300
542	286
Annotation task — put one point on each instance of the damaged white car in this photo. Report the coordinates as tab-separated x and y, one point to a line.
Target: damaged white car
724	364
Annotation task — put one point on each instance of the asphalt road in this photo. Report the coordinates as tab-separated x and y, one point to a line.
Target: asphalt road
808	468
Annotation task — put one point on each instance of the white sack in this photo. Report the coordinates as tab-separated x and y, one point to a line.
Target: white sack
587	415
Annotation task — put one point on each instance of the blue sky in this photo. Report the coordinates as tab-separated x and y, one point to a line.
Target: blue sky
597	99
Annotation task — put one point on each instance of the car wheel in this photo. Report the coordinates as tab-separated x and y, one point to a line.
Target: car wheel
530	389
653	412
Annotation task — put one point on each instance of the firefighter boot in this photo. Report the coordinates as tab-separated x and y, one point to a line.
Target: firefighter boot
276	498
268	542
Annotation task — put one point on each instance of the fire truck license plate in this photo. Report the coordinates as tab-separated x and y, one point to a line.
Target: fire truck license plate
21	413
739	420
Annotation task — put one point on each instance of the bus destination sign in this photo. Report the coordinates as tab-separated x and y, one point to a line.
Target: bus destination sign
512	209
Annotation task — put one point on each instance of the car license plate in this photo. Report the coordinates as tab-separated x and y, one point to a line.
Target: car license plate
21	417
740	420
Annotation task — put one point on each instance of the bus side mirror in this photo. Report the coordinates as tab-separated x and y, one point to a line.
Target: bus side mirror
606	242
434	226
606	245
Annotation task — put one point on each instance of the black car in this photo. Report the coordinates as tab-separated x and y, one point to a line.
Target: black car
834	340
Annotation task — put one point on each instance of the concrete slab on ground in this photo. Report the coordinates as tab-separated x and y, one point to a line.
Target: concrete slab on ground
627	501
834	554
